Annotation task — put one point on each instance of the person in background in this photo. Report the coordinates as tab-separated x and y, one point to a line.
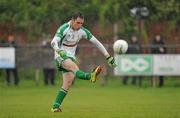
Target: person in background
48	67
134	48
11	43
158	47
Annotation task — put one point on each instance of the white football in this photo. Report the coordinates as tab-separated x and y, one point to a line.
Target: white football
120	46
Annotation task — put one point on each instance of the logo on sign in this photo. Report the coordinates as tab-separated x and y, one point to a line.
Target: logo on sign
138	64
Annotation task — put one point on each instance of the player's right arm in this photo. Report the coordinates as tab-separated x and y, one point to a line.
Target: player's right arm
58	39
54	43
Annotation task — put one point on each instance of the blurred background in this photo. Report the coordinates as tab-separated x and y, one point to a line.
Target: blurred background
27	27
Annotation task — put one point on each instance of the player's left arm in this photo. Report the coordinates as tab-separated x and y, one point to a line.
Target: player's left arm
88	35
100	46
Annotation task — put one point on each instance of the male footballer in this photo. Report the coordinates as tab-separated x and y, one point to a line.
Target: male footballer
64	44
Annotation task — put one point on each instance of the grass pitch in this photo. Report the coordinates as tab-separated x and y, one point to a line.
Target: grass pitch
86	100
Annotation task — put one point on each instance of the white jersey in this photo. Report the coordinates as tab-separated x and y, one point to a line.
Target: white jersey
67	39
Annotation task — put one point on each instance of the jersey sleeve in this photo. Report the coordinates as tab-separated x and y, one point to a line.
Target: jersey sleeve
60	31
59	36
100	46
88	35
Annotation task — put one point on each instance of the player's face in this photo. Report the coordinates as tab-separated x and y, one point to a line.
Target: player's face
77	23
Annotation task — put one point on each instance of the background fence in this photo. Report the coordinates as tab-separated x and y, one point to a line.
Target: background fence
38	57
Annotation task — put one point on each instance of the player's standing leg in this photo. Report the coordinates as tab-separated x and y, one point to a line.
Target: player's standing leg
68	78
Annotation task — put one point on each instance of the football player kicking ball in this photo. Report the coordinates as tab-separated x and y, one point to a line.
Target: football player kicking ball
65	43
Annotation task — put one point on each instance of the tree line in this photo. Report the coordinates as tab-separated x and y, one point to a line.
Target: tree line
37	16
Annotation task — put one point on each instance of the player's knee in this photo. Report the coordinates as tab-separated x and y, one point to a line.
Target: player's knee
69	65
69	83
74	68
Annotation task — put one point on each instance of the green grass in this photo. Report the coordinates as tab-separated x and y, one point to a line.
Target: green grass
86	100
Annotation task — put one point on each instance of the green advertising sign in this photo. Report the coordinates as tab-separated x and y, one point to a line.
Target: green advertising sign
134	65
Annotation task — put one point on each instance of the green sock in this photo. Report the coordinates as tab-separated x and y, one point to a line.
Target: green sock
59	98
82	75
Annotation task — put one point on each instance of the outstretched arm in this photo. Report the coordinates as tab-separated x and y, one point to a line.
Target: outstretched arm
99	45
88	35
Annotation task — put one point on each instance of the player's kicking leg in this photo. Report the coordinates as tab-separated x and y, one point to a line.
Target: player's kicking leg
68	78
67	81
95	73
71	66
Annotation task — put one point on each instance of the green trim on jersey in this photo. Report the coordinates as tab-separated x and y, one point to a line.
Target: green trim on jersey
61	30
88	33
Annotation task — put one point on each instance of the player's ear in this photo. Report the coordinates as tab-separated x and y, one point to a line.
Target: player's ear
73	19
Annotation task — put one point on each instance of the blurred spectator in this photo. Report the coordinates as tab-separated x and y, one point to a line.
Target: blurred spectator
134	48
11	43
158	47
48	67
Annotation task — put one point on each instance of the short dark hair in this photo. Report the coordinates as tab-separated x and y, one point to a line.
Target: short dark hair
77	14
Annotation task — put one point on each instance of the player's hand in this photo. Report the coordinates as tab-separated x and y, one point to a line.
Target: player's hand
62	54
111	61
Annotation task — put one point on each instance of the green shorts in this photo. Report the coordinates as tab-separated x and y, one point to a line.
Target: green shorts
59	64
